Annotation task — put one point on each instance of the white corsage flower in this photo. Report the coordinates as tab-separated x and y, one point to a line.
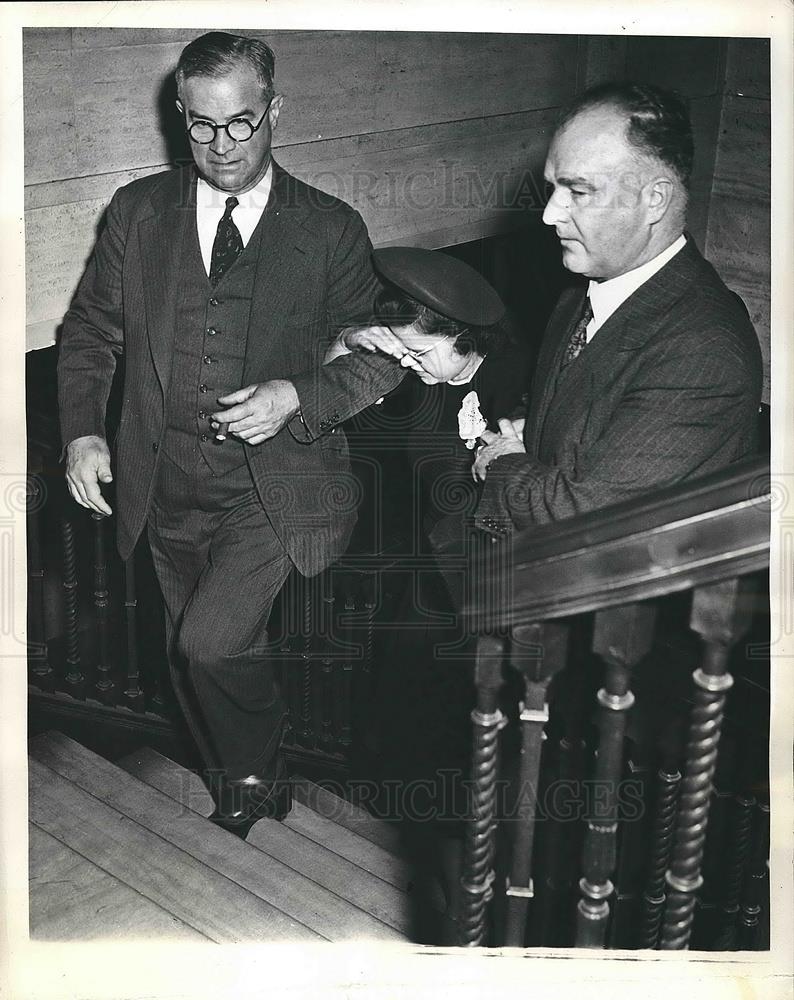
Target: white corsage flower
471	423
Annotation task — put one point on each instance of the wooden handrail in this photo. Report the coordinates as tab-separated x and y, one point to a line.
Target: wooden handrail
674	539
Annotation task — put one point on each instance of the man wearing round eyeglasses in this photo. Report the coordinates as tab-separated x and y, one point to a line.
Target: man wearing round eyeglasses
222	283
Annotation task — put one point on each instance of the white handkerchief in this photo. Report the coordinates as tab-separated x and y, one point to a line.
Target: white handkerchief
470	421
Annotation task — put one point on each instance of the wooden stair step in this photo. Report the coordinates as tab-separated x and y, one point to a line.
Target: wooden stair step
73	899
360	851
352	817
340	840
173	879
172	779
380	898
308	908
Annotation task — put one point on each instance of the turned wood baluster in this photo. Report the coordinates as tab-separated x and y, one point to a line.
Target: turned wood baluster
42	673
328	670
133	695
755	895
538	652
478	875
74	680
105	685
326	700
669	783
343	700
738	853
306	661
720	617
621	637
549	919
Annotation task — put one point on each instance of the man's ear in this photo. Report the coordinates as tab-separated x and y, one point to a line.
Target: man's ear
275	110
659	194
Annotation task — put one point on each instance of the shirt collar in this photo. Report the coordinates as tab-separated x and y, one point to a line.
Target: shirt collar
208	197
606	296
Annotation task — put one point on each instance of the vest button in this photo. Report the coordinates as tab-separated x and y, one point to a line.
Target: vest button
202	388
155	447
207	359
202	414
211	331
214	301
205	437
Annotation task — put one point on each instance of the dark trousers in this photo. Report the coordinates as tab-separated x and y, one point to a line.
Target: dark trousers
220	566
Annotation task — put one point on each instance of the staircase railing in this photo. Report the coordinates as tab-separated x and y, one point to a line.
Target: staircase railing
526	599
97	646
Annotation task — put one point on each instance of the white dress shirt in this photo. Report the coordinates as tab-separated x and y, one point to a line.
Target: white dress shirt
606	296
211	204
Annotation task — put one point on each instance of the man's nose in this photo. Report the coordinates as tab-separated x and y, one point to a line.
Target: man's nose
555	210
222	142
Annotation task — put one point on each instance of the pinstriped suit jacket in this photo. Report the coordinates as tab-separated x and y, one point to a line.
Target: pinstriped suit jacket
314	275
668	389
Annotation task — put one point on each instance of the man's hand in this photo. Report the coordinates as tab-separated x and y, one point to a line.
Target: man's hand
258	411
508	441
88	465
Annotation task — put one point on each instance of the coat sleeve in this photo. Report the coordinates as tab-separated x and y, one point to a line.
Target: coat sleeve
690	408
92	336
332	393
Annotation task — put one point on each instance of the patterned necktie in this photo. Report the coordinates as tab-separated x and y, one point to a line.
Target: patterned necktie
579	336
228	244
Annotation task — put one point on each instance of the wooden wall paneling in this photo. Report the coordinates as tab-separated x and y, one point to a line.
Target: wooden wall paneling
601	58
58	241
692	66
48	101
747	68
437	185
743	154
336	84
705	114
739	231
433	77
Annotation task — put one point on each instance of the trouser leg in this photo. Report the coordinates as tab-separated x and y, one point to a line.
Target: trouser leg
220	569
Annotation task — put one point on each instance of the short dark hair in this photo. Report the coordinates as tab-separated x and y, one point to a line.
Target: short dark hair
394	307
658	122
217	52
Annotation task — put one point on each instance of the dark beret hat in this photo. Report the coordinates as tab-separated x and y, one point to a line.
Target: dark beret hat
442	282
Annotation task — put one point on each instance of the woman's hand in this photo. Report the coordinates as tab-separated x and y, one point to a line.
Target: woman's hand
374	338
509	441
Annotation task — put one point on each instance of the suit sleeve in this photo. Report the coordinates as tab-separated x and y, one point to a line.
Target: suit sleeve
687	411
92	335
332	393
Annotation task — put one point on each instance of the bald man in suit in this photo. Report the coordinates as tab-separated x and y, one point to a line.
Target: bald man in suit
648	375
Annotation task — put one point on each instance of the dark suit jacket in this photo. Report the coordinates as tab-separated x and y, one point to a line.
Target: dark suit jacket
668	389
314	275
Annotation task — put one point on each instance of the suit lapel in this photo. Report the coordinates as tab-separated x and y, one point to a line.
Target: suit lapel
284	243
558	333
626	331
161	241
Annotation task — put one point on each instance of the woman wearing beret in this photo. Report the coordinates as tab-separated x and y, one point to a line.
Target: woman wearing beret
440	318
443	320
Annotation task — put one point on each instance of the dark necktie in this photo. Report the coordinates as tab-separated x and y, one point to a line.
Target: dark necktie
579	336
228	243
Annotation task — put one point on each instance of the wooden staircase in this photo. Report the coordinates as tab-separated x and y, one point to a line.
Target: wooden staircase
126	851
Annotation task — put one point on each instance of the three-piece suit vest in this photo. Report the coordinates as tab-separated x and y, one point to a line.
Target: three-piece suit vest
210	340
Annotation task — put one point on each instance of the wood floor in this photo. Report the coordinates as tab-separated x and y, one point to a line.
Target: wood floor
125	851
